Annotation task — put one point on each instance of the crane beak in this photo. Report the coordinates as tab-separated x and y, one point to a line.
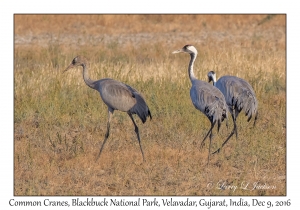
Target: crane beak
177	51
69	67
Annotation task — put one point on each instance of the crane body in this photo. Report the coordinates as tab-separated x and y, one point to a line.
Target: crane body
239	96
117	96
205	97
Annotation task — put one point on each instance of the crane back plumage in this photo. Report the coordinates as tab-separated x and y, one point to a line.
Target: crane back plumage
209	100
120	96
239	96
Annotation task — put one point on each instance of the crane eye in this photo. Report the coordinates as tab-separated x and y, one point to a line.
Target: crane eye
74	61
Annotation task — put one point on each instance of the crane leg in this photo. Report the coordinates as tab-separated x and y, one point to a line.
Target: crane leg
256	115
110	113
136	129
227	123
236	133
234	130
210	137
235	126
210	130
234	115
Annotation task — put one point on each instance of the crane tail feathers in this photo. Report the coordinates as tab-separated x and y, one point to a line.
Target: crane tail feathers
246	101
249	118
149	114
141	108
256	116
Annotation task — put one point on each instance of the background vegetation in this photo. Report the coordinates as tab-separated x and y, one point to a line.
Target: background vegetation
59	123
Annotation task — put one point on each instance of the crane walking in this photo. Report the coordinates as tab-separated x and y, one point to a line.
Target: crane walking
205	97
117	96
239	96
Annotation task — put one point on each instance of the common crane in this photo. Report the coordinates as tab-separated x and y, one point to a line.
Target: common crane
117	96
239	96
205	97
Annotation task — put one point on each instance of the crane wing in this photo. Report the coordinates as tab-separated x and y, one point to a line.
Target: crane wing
116	95
209	100
239	95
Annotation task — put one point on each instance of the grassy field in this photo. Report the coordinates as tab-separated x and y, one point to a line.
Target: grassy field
59	122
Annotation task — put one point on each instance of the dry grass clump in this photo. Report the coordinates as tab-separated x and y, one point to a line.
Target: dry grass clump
59	123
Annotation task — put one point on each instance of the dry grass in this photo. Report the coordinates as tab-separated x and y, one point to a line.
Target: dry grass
59	123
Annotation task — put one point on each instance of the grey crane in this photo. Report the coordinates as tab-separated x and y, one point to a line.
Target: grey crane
117	96
239	96
205	97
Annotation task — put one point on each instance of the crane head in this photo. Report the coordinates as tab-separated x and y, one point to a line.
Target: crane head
77	61
186	49
211	76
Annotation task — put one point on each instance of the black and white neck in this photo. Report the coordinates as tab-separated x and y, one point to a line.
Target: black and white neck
212	77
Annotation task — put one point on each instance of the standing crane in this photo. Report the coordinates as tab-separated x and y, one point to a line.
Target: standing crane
117	96
239	96
205	97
